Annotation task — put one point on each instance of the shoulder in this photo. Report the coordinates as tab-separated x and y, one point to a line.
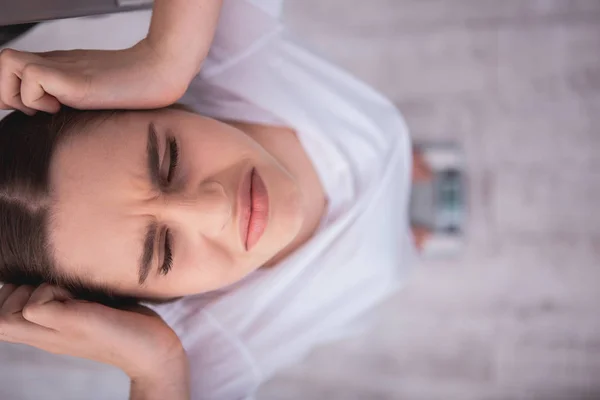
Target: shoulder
221	366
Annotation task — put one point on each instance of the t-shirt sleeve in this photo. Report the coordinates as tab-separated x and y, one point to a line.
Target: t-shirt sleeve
220	365
244	26
272	7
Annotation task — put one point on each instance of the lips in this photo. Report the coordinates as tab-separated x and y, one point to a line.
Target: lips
254	209
260	210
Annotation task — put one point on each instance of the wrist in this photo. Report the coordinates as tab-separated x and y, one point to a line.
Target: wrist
182	60
166	379
168	68
184	30
151	364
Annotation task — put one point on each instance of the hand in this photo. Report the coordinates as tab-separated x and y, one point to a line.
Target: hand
138	342
136	78
421	171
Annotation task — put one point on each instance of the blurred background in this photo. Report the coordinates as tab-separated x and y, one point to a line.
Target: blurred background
516	316
517	84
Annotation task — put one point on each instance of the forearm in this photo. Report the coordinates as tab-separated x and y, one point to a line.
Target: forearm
170	381
183	30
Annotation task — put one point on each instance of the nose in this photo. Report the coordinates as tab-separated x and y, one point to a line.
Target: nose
207	210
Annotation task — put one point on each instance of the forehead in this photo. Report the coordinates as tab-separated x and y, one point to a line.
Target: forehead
96	176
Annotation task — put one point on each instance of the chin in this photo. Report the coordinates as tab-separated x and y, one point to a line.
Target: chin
286	221
295	214
280	240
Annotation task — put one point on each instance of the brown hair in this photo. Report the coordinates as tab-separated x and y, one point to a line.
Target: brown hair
26	148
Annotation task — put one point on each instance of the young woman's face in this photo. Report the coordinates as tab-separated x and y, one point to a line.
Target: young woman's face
157	204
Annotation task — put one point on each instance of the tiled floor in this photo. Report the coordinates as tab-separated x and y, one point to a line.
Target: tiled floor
517	83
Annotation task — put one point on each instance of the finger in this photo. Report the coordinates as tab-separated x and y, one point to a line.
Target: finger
10	92
58	315
420	235
33	94
3	106
12	63
67	88
17	300
46	293
140	309
45	305
45	103
421	171
6	291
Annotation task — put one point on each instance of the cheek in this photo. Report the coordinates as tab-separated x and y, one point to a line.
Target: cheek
208	155
285	207
202	267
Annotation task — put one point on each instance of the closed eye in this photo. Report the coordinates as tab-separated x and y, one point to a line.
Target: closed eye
156	174
168	259
173	157
173	150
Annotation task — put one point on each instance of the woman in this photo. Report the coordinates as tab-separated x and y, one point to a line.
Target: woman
275	201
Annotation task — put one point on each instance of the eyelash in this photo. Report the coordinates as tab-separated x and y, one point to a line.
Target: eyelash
168	262
174	158
173	161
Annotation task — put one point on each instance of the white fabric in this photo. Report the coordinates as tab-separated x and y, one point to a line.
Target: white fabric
238	337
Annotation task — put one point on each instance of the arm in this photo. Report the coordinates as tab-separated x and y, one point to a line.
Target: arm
170	381
183	30
135	340
154	73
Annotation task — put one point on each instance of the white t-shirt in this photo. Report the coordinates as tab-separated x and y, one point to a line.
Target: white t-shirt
239	336
360	147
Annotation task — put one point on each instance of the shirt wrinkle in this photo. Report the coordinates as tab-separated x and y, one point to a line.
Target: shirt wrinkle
239	345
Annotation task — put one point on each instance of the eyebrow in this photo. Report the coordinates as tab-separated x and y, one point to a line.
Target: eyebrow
148	252
152	228
152	155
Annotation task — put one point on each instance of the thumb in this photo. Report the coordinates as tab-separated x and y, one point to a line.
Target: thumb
34	94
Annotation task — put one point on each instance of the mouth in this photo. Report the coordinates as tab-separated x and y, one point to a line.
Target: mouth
254	209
